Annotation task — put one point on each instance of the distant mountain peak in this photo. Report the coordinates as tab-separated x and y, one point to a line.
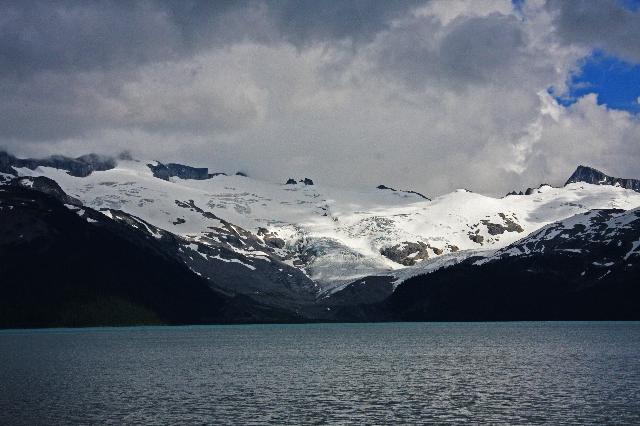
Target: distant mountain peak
80	167
593	176
405	191
165	171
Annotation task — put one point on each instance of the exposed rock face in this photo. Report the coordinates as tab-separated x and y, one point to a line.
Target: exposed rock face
596	177
271	238
509	225
81	167
160	171
306	181
528	191
478	239
165	171
405	191
243	174
188	172
418	194
408	253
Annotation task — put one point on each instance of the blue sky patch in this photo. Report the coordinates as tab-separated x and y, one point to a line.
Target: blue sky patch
617	83
630	4
517	4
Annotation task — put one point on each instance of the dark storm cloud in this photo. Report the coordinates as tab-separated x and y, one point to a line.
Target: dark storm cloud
87	35
469	50
79	36
477	49
304	21
60	59
604	24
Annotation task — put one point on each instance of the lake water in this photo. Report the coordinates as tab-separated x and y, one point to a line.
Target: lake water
324	374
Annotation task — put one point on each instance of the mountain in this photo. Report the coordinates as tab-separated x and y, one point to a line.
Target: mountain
169	170
66	265
586	267
299	249
595	177
331	236
80	167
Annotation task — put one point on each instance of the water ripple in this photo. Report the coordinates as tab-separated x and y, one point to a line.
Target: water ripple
559	373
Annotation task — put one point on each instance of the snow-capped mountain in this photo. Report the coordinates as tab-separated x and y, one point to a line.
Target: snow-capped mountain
596	177
64	264
315	239
584	267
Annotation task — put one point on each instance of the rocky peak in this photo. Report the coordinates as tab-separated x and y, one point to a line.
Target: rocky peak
80	167
596	177
405	191
188	172
306	181
165	171
292	181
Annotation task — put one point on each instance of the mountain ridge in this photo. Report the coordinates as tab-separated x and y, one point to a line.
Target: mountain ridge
84	165
596	177
583	268
334	236
69	265
317	252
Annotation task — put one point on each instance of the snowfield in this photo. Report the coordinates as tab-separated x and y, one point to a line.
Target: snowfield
336	236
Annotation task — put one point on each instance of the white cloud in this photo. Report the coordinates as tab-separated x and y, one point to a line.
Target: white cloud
453	95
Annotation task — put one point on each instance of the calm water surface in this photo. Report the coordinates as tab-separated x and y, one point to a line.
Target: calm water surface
324	374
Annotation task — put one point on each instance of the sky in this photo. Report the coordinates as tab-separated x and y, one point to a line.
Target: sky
488	95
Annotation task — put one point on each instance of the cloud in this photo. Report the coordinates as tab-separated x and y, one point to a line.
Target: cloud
82	36
587	133
604	24
468	50
429	96
307	21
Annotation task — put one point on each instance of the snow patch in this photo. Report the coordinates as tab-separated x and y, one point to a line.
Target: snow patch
253	268
634	249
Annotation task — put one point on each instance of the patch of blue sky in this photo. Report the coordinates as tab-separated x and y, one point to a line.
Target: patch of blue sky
517	4
617	83
631	4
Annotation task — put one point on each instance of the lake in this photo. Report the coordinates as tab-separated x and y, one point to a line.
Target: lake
324	374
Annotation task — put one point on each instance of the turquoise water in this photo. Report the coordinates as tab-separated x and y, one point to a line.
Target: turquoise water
323	374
